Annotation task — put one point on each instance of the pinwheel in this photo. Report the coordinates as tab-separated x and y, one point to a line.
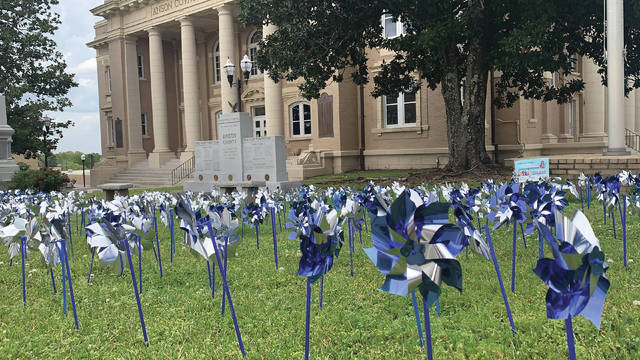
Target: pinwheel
16	243
112	241
253	213
415	247
57	236
206	222
226	229
321	239
575	275
512	210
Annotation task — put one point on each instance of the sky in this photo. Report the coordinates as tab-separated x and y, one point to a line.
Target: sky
72	36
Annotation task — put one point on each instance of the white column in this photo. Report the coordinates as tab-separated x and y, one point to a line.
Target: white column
273	96
161	152
615	77
136	152
594	114
228	50
190	87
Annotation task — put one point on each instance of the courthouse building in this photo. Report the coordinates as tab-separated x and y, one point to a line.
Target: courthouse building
162	87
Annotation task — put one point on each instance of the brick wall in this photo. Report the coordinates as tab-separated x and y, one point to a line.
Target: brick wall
571	168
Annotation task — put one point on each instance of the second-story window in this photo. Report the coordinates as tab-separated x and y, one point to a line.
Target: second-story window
140	67
254	39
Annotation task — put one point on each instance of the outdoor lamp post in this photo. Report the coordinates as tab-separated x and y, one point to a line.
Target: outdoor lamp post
46	121
83	157
230	69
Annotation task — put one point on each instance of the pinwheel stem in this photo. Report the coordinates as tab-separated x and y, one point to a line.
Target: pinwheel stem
613	223
513	259
497	268
438	307
524	241
540	246
225	287
139	244
210	280
121	264
64	282
623	220
69	229
155	224
308	320
588	196
417	315
65	259
135	291
364	216
257	235
275	237
350	245
427	329
581	198
173	237
22	256
321	288
93	255
53	281
604	211
226	243
570	340
279	220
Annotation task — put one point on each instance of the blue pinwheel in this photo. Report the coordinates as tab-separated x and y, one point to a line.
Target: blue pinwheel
415	248
321	238
575	275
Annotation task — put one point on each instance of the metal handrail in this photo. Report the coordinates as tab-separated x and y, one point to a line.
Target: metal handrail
183	171
632	139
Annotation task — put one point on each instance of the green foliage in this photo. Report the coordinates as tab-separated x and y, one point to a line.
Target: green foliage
450	44
357	320
72	160
46	180
33	76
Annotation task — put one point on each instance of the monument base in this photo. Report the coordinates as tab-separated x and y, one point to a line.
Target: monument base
244	186
7	169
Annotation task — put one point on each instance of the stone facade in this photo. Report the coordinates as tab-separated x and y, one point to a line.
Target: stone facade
162	87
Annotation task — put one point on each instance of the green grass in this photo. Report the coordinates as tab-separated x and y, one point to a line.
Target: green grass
356	322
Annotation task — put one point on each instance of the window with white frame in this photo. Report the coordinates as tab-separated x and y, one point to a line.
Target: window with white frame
300	115
140	67
216	62
391	27
401	110
107	76
143	122
254	39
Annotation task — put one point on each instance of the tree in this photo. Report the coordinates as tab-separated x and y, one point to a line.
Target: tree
451	44
33	73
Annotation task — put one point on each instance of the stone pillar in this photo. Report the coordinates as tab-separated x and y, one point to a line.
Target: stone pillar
228	50
615	71
136	152
273	97
190	86
594	103
161	151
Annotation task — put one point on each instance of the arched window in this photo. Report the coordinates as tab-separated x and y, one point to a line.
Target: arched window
216	61
254	39
300	116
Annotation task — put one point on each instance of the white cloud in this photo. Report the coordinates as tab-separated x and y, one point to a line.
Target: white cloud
73	34
87	66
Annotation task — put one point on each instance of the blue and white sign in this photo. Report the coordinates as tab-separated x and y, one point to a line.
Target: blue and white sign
532	169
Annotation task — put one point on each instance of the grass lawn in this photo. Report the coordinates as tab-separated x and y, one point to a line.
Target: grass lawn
356	322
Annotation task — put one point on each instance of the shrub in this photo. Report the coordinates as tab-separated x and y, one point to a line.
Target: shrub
46	180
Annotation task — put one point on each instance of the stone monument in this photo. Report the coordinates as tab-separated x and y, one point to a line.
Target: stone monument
238	161
7	165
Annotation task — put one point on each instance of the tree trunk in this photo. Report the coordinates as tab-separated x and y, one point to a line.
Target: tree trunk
466	119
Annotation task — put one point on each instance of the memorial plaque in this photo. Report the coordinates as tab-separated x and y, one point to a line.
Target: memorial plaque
232	128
